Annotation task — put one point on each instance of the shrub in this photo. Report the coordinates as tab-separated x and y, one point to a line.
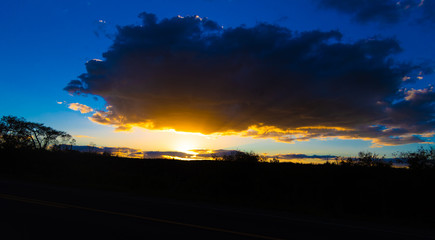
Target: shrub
239	156
420	159
366	159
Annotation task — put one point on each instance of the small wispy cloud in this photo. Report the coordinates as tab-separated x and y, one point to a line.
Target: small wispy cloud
80	107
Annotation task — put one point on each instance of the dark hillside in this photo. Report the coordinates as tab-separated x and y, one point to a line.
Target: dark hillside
372	193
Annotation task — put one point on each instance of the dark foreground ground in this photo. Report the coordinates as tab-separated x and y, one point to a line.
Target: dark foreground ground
40	211
72	195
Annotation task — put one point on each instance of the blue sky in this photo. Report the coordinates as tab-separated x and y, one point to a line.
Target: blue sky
45	45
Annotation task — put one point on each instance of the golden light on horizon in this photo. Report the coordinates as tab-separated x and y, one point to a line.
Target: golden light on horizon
186	145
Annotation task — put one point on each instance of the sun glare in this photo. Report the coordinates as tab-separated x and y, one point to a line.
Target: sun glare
186	147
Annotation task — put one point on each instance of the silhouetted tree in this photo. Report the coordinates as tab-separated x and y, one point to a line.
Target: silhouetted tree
345	161
92	147
420	159
239	156
274	160
365	159
370	159
14	133
17	133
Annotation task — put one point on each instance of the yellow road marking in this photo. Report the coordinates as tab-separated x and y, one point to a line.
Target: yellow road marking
62	205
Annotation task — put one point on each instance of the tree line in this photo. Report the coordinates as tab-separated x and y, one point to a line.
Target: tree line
17	133
422	158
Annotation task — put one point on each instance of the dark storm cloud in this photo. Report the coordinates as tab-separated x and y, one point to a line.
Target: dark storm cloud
428	14
190	74
416	112
386	11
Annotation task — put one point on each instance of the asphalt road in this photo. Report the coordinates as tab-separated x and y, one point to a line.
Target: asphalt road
38	211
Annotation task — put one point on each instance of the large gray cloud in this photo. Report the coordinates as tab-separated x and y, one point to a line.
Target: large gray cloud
385	11
190	74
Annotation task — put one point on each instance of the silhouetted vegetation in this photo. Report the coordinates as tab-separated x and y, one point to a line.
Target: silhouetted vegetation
364	191
418	160
240	156
17	133
364	187
365	159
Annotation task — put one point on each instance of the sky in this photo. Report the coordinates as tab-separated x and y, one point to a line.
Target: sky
300	79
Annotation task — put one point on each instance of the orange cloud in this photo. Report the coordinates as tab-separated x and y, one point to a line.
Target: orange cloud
413	93
264	81
80	107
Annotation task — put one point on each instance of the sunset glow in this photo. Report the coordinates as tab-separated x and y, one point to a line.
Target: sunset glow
313	77
186	147
217	119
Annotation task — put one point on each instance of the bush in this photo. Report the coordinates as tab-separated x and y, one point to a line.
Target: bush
17	133
366	159
239	156
420	159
